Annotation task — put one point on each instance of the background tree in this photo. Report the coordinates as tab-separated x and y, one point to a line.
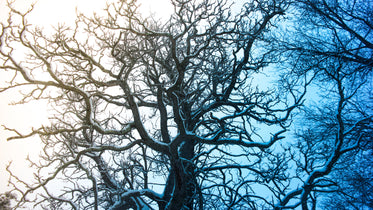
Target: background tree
5	200
333	43
169	114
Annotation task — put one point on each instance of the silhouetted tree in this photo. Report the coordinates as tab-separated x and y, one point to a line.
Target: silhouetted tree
174	114
333	44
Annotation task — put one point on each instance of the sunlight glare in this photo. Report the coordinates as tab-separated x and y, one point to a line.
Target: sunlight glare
46	14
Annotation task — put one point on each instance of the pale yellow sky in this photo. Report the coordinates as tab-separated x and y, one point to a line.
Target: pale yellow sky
46	13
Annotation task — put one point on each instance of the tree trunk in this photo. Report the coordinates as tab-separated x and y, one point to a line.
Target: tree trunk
180	186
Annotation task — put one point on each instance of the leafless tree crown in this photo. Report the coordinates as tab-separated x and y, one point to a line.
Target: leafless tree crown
206	110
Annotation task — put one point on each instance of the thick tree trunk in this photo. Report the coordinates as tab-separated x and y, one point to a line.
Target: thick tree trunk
180	186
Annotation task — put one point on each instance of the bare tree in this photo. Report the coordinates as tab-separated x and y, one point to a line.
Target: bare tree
152	114
333	44
144	106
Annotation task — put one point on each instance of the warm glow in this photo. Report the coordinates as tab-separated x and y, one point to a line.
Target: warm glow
23	117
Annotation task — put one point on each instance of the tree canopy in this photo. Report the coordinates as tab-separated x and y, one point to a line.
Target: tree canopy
264	107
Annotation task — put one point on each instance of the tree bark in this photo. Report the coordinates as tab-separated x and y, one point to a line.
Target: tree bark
180	187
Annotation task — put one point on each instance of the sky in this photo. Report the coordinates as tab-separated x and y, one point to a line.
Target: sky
24	117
